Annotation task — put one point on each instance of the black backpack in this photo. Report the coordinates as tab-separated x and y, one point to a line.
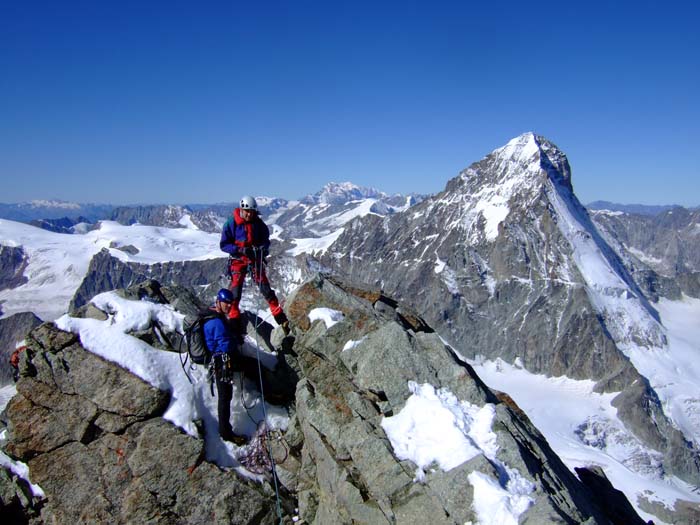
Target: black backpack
197	349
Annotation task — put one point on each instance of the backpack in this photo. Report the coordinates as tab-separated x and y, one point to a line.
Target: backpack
194	338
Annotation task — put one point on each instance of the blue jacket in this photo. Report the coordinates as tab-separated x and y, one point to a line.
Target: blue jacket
238	234
217	336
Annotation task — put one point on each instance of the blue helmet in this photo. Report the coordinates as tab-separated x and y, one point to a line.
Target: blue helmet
225	295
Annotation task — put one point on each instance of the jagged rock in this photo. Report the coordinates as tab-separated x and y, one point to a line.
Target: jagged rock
17	503
127	248
157	215
61	225
59	400
13	329
348	470
659	249
613	502
13	262
92	435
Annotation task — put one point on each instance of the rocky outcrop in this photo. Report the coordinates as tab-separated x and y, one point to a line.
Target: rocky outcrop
92	436
62	225
342	465
13	330
155	215
614	503
18	504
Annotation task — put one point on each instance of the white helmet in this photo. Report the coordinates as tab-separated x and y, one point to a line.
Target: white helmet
248	203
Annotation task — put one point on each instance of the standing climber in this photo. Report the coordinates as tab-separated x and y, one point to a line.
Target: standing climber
222	345
246	238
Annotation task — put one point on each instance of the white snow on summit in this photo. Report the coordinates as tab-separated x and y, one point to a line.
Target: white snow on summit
485	204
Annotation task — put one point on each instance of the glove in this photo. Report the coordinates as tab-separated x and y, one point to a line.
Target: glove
249	252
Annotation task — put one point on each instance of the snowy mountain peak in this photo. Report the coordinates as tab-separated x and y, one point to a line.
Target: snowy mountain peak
342	192
520	163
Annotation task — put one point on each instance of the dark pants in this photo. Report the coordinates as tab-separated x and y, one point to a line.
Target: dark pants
224	394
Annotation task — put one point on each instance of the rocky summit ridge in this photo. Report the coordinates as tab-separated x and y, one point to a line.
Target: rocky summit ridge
94	439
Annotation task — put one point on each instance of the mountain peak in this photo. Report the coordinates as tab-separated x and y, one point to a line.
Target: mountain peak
522	147
518	166
342	192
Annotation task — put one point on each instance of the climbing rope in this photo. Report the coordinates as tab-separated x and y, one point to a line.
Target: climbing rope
263	441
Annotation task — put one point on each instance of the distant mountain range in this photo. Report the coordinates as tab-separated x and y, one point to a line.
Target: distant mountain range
56	215
305	217
637	209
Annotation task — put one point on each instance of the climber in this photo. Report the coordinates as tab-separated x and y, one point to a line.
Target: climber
223	346
246	238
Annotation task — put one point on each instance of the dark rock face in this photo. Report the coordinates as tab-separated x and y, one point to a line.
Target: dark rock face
157	215
17	504
487	264
13	329
107	273
13	261
62	225
614	503
660	250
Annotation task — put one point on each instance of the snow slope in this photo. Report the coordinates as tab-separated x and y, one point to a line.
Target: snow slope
657	343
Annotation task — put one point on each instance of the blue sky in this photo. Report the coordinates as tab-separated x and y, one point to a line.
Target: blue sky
184	102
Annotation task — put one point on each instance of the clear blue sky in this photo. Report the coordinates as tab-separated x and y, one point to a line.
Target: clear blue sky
195	102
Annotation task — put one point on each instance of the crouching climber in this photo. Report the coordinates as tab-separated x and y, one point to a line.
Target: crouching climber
223	345
246	238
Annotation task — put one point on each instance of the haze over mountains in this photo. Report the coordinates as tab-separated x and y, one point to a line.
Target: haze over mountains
584	317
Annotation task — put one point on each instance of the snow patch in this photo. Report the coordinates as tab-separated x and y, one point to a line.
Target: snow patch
435	428
329	316
353	344
314	246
